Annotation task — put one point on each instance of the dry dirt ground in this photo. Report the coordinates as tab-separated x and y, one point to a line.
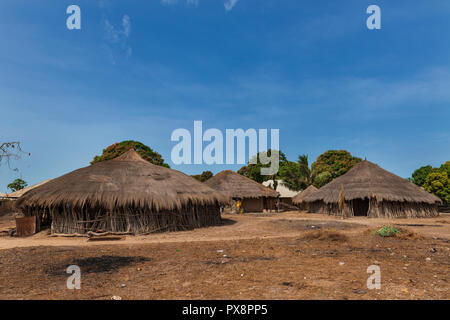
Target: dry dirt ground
290	255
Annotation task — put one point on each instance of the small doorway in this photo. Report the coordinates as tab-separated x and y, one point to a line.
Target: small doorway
360	207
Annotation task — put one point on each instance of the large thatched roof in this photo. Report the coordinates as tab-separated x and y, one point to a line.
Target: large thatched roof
234	185
368	180
21	192
301	195
126	181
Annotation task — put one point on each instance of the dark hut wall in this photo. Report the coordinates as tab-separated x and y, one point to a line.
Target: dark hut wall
7	206
303	206
253	205
69	220
379	209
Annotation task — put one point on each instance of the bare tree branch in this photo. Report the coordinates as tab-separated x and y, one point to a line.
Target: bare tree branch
11	151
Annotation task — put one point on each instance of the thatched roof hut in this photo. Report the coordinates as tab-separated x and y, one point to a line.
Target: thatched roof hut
126	194
298	199
368	190
17	194
254	196
8	201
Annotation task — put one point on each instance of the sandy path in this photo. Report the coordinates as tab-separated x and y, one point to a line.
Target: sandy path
237	227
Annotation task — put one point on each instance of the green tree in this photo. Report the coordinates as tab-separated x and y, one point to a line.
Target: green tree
332	164
16	185
118	148
297	175
322	179
253	170
445	167
419	175
438	183
204	176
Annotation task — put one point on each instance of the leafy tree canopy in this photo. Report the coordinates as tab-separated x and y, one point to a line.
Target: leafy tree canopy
204	176
434	180
297	175
253	171
16	185
445	167
419	175
118	148
438	183
332	164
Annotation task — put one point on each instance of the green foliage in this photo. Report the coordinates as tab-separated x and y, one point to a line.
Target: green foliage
387	231
204	176
438	183
419	176
297	176
117	149
445	167
16	185
332	164
434	180
253	171
322	179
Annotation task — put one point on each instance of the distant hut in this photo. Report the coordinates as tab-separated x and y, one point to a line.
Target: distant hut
286	194
4	204
8	201
254	196
368	190
126	194
298	199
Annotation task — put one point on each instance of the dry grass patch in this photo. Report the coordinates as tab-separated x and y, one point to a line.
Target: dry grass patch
325	235
409	235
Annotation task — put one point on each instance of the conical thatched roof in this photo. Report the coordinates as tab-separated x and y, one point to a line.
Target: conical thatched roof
301	195
21	192
126	181
234	185
368	180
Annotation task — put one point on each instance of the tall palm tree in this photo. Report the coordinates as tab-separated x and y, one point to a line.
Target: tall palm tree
299	176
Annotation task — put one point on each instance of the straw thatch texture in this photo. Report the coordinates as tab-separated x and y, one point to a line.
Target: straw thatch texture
8	201
234	185
126	194
17	194
386	194
298	199
254	196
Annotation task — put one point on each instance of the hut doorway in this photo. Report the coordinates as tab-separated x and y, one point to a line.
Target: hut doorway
360	207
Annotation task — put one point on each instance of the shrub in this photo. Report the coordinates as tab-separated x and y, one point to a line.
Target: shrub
387	231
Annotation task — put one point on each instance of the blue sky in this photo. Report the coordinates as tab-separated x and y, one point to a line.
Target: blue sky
141	69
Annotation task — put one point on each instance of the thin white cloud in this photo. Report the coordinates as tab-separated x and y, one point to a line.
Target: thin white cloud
110	33
126	23
229	4
118	37
193	2
172	2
